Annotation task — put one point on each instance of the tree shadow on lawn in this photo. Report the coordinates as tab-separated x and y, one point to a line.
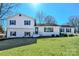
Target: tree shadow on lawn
15	42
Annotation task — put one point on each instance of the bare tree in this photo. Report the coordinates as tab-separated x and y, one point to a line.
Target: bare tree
74	21
5	9
50	20
40	17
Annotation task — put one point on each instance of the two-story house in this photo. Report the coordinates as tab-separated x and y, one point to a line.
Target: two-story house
20	26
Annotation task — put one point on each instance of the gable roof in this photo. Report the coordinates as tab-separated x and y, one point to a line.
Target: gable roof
19	14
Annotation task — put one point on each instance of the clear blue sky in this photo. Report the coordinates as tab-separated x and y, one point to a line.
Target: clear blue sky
61	11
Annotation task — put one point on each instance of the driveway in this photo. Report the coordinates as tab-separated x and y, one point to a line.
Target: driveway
10	43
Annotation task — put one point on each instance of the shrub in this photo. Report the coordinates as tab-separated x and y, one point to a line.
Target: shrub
63	35
53	35
71	35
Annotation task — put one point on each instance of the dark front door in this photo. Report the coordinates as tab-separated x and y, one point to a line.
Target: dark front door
36	30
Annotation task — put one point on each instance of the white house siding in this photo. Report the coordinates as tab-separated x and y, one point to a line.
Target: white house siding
20	28
20	22
42	33
19	32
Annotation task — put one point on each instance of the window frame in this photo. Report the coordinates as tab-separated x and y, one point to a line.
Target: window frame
12	33
25	33
12	22
68	29
62	29
48	29
27	22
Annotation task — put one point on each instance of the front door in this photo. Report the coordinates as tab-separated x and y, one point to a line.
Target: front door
26	34
36	30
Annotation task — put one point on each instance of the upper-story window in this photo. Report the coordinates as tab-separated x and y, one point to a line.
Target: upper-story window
27	22
48	29
12	22
68	29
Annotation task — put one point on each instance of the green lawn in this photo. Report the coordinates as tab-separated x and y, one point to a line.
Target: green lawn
47	47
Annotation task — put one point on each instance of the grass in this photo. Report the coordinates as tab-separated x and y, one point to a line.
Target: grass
60	46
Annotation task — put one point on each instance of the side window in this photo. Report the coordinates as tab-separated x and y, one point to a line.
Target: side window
12	22
62	30
27	22
48	29
68	29
12	33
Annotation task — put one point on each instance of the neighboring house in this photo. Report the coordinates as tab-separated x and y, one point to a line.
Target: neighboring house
24	26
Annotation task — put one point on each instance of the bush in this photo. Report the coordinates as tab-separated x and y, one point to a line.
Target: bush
63	35
57	35
71	35
53	35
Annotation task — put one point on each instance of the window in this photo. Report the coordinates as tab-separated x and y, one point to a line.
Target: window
62	30
48	29
26	22
26	33
68	29
13	33
12	22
